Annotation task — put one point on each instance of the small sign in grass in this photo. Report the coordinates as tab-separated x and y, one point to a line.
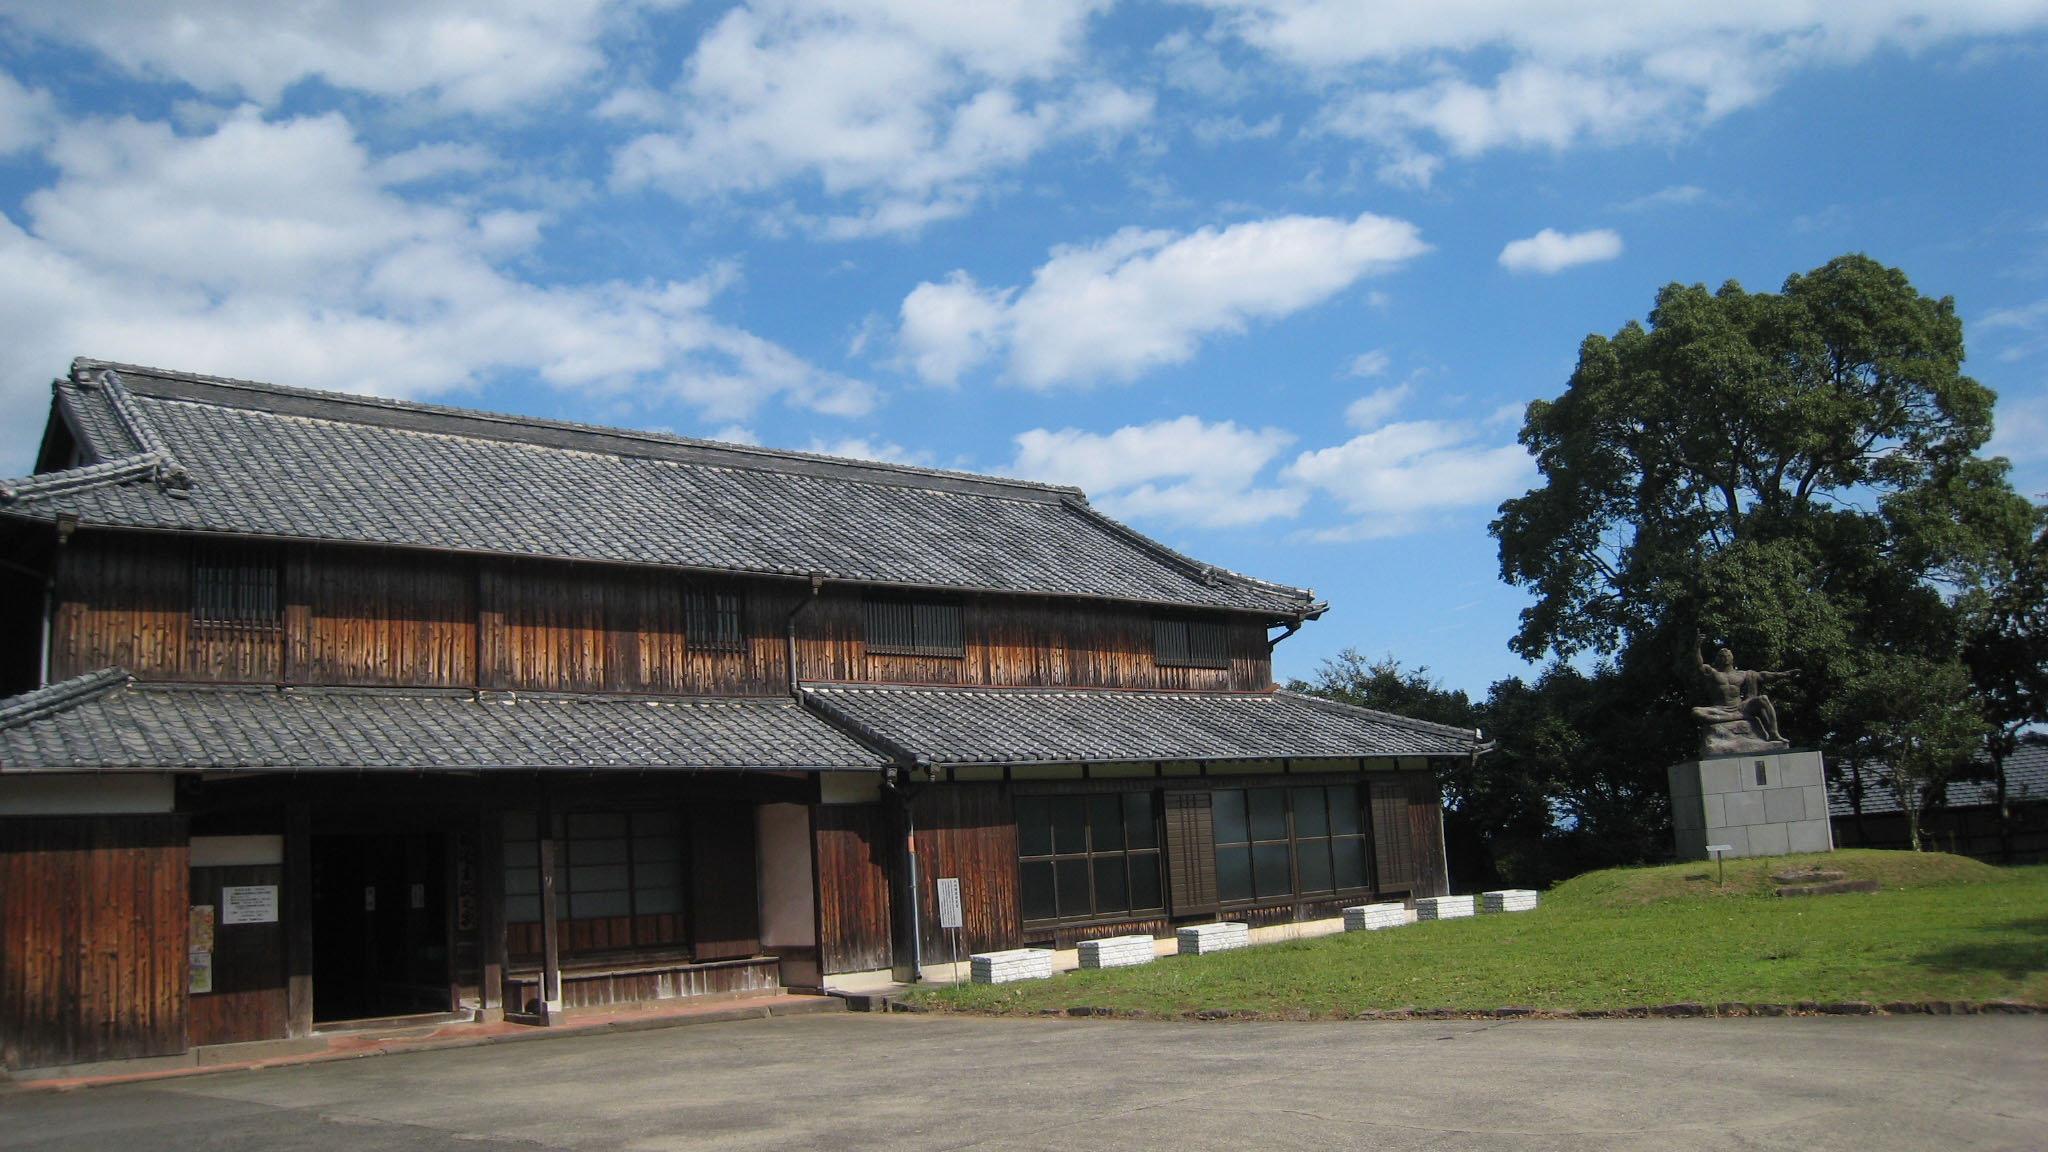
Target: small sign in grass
1940	928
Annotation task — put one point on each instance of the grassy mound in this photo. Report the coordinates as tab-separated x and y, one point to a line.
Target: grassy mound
1751	878
1941	928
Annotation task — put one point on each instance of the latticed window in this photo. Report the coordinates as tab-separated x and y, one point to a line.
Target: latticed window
1274	843
620	874
235	588
1088	857
712	620
1190	644
913	628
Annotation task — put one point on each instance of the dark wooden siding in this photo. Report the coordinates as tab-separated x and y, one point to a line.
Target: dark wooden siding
852	846
1425	829
1190	853
380	617
248	1001
130	604
1393	836
968	831
92	938
724	902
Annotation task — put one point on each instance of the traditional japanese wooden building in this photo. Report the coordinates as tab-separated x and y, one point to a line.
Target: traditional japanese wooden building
323	708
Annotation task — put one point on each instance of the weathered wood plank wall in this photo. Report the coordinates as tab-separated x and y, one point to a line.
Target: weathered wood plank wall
968	831
852	846
383	617
249	998
92	938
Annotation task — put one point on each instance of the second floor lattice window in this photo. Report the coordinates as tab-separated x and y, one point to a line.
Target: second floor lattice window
235	588
712	620
913	628
1190	644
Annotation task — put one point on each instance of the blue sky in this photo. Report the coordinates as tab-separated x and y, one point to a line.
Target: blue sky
1271	279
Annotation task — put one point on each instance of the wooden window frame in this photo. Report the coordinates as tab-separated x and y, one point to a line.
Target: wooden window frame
237	589
1293	840
1089	855
714	619
517	847
901	627
1181	642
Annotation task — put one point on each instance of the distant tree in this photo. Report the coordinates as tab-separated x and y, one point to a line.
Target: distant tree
2006	652
1793	474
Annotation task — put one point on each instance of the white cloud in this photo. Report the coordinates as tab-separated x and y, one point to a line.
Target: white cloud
909	108
26	116
1474	75
1673	196
1396	478
278	250
864	448
1181	470
1551	251
1144	298
466	54
1376	407
1368	364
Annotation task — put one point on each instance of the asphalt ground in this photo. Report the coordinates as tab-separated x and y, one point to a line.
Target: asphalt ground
854	1081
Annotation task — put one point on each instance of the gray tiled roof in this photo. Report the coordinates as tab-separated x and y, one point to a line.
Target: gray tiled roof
2026	782
105	722
198	453
1053	725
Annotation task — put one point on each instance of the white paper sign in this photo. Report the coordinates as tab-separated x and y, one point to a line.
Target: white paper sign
949	902
200	974
248	904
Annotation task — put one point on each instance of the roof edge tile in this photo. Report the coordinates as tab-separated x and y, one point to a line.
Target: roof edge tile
64	694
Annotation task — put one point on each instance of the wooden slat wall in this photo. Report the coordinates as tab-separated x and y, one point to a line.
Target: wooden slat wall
725	910
851	850
1190	853
129	603
377	617
249	1000
92	939
1393	836
1425	827
1030	642
968	831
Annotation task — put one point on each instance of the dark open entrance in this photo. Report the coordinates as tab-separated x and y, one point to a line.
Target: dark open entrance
380	926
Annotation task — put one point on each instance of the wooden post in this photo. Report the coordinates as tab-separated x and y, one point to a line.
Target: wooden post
490	914
551	959
298	904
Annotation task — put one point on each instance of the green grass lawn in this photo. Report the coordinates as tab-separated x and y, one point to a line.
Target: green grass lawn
1942	928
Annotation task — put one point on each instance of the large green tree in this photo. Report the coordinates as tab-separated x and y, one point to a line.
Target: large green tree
1793	473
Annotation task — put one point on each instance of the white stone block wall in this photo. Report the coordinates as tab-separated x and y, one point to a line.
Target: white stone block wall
1202	939
1443	907
1510	900
1373	917
1014	964
1116	952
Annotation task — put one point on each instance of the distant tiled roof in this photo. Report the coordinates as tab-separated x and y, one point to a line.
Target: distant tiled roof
1055	725
177	451
2026	782
103	721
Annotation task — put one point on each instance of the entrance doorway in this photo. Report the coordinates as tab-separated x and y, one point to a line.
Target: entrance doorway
380	926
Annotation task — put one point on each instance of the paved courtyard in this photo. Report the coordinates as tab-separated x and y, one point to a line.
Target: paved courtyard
844	1082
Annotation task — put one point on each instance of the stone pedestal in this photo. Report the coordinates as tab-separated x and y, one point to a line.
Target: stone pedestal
1373	917
1510	900
1443	907
1116	952
1014	964
1763	804
1202	939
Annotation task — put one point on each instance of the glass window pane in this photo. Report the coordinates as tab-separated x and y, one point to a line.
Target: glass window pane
1234	873
1142	831
1035	891
585	906
522	909
1344	811
1034	826
1310	818
1313	858
657	849
653	901
1269	813
1145	892
1069	826
1348	853
521	826
608	878
1111	893
1228	815
1106	823
658	824
652	874
585	852
522	881
1073	884
1269	866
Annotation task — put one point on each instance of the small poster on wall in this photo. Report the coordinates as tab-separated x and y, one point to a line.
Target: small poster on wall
199	928
201	979
248	904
